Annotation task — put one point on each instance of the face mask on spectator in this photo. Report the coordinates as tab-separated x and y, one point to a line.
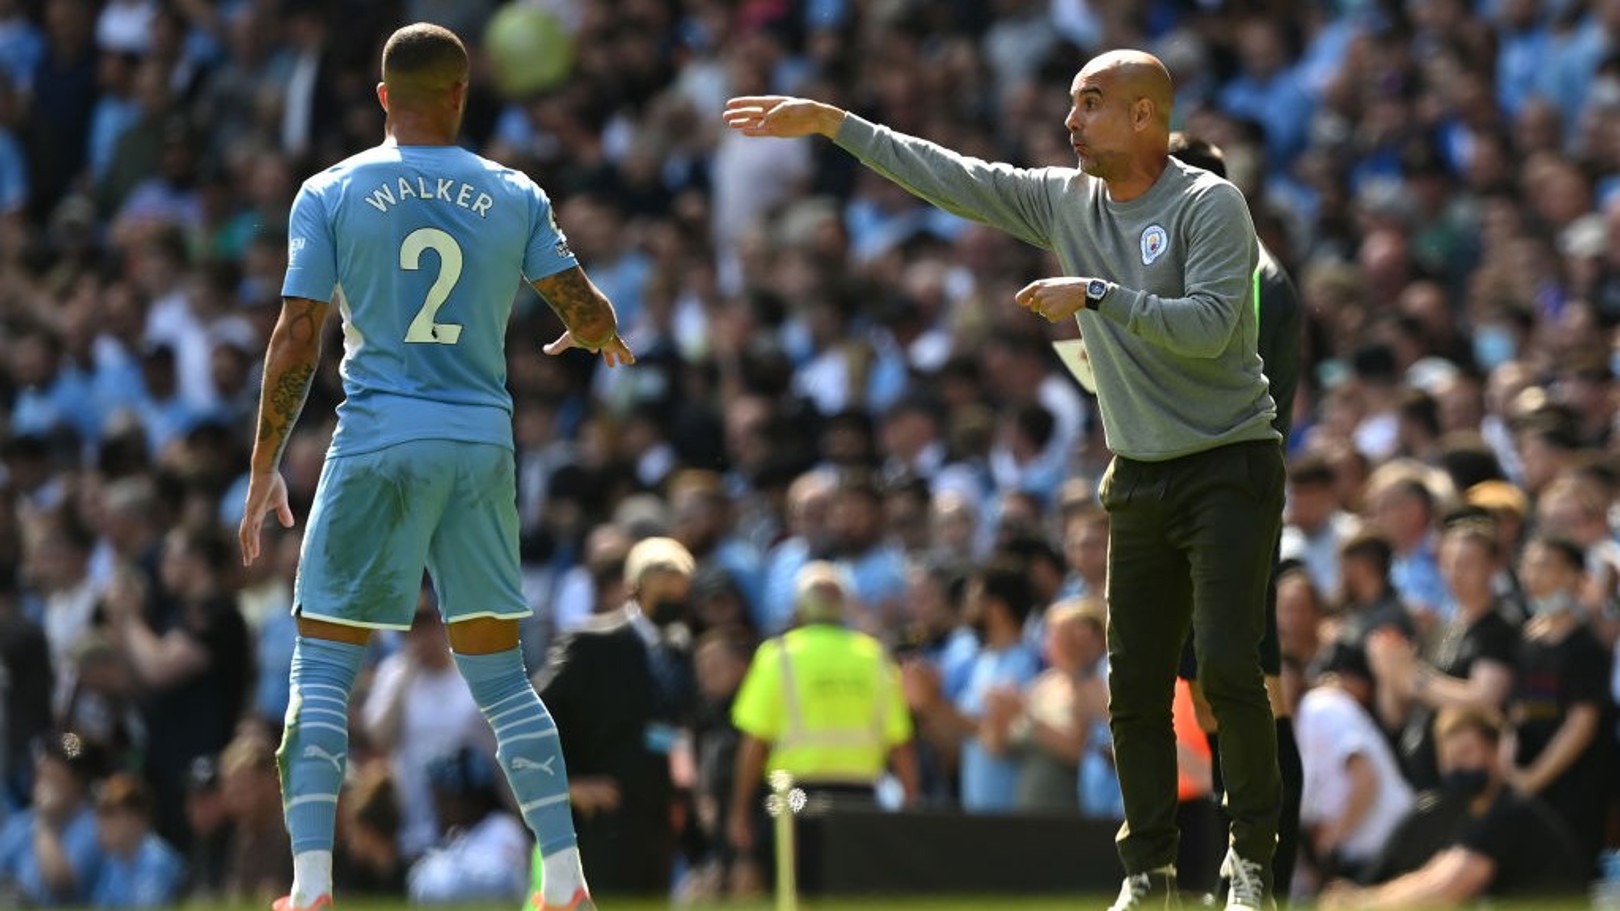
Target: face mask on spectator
1467	783
1554	604
1493	346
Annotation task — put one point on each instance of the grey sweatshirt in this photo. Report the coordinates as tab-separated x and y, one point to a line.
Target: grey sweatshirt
1174	344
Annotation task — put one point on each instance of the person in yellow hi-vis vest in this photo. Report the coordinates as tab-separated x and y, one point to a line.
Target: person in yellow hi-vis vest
823	702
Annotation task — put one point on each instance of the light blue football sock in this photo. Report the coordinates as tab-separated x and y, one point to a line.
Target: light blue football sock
315	743
526	744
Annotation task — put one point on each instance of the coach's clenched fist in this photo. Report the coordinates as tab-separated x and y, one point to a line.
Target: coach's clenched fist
1054	298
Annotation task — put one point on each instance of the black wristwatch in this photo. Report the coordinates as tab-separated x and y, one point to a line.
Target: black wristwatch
1096	290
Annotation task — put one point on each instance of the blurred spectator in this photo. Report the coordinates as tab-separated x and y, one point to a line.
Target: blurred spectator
704	524
58	568
138	869
1404	510
368	860
190	657
1354	792
860	543
999	602
260	855
1370	602
1560	697
620	688
209	817
49	854
809	502
1473	659
480	857
1085	548
1483	837
1048	724
25	681
1300	612
1316	527
419	709
720	659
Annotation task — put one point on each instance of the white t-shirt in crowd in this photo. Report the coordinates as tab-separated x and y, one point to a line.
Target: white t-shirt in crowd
440	717
1332	727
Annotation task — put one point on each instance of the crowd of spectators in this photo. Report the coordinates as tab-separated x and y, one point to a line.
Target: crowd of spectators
827	369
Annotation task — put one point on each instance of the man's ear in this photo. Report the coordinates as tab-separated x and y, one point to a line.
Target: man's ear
1142	113
382	95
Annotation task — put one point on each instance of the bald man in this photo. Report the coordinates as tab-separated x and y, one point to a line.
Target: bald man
1158	259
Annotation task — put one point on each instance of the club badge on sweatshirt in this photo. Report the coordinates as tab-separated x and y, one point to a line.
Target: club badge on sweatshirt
1154	241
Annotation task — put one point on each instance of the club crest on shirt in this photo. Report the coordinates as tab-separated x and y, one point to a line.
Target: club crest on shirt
1154	241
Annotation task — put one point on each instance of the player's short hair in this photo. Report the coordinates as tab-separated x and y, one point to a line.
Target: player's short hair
657	555
1485	722
1198	152
422	59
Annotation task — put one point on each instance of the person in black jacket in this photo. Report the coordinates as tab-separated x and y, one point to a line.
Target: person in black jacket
621	689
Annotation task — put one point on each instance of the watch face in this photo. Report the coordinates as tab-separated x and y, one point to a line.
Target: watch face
1096	289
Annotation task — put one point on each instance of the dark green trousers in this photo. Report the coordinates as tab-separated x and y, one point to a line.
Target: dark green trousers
1190	547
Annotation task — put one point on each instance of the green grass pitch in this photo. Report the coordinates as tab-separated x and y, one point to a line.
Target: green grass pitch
953	903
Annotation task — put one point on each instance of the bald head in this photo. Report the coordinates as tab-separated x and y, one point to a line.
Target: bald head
1120	121
1136	75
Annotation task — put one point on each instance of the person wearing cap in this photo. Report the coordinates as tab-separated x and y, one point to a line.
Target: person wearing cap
823	702
622	688
139	869
49	855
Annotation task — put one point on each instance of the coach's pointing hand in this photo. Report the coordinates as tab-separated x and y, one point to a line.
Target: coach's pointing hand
781	117
1053	298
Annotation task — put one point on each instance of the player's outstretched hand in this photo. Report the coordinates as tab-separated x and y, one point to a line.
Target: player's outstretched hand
1053	298
266	493
781	117
614	353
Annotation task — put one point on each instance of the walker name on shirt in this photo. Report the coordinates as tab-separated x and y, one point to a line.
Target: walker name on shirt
392	193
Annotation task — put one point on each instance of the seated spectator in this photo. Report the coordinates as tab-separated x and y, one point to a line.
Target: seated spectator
1473	662
1299	622
49	855
368	861
1561	697
1484	837
485	849
419	708
998	603
138	869
260	855
1369	600
209	819
1354	794
1048	723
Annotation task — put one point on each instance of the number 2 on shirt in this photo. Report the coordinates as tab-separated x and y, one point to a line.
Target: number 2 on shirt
423	330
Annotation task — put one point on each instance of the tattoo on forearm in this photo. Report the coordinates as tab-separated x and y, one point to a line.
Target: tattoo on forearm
289	370
578	304
283	399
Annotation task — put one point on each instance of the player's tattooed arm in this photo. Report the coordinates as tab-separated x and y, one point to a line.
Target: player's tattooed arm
289	368
582	307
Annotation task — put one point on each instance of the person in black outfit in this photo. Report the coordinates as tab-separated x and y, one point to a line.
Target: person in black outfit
1561	697
1473	662
1479	836
191	658
620	689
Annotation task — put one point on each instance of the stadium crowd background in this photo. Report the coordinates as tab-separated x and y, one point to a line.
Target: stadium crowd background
827	368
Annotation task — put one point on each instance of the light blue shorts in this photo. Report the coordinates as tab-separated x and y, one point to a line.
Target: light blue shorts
380	517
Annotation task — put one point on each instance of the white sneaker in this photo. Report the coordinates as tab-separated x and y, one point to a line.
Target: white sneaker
1154	890
1248	883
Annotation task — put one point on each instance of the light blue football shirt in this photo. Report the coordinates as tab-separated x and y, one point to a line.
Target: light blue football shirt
425	248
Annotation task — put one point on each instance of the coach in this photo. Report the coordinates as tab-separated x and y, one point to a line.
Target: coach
1158	258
